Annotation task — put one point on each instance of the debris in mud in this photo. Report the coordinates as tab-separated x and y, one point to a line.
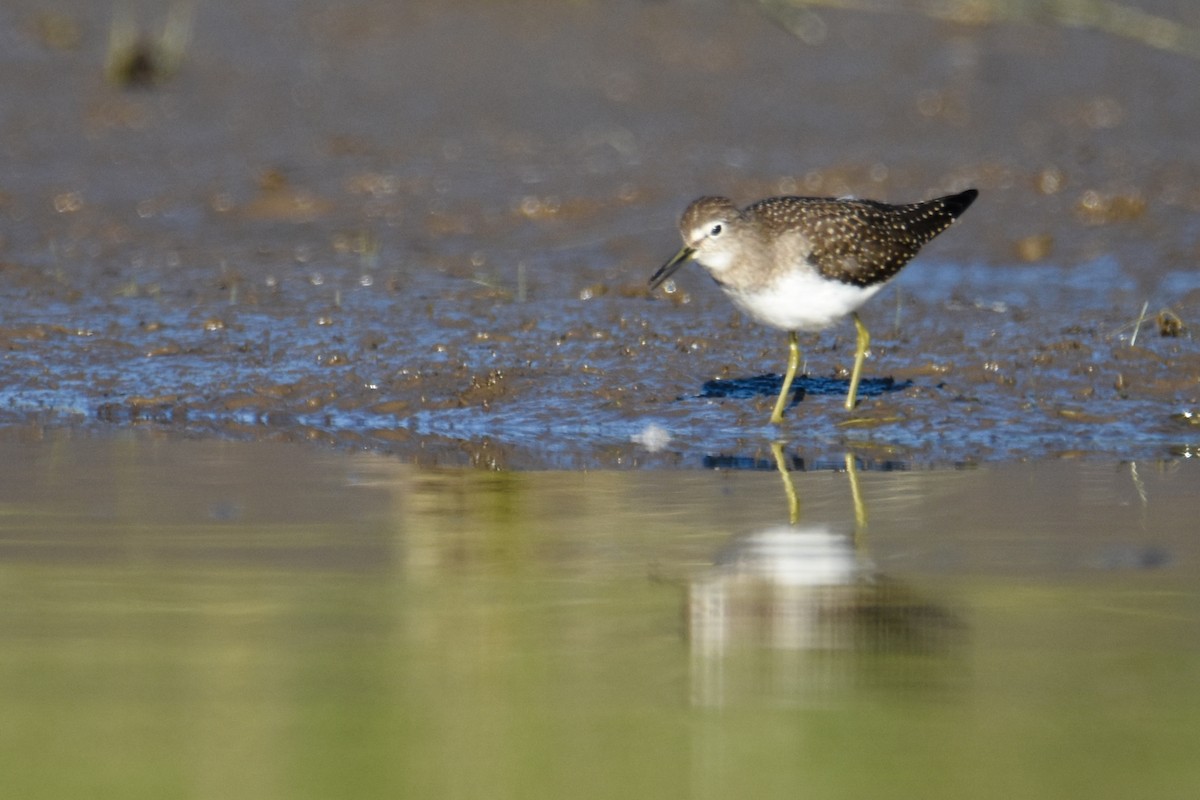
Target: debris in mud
1083	417
278	200
1099	208
1035	248
483	390
161	410
57	31
1050	180
1190	418
136	59
1169	325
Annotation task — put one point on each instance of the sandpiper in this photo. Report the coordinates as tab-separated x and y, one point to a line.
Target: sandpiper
803	263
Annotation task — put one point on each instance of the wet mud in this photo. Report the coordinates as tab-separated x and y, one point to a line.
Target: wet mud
427	231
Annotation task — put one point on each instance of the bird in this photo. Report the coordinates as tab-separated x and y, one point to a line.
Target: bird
803	263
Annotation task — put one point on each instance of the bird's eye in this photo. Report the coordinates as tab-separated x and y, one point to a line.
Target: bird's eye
715	230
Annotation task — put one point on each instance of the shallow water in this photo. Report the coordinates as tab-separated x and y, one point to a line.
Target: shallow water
265	620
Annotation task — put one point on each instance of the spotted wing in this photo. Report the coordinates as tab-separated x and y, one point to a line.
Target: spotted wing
863	242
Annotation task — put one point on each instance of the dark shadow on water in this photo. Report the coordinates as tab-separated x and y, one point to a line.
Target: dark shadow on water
797	463
769	385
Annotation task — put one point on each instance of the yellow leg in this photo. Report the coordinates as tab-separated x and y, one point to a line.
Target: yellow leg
860	508
860	354
788	377
788	487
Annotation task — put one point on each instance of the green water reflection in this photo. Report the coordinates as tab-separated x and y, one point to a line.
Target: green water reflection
215	619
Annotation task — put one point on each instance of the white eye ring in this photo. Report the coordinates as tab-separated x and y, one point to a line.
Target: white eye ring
715	230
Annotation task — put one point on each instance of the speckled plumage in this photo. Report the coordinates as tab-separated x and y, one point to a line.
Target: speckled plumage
802	263
859	242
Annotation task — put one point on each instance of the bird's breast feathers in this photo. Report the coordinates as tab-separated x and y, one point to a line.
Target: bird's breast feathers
801	300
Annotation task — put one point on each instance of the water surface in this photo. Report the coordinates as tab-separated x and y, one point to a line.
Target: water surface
207	618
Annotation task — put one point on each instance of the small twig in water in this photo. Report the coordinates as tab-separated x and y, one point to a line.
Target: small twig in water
1138	325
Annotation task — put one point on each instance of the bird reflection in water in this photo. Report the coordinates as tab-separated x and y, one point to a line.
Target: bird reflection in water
798	591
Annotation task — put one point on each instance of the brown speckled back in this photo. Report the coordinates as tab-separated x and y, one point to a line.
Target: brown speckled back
860	242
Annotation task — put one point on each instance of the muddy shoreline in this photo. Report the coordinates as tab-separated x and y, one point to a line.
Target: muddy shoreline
427	232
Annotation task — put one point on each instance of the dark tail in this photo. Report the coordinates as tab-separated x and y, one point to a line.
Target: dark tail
927	219
956	204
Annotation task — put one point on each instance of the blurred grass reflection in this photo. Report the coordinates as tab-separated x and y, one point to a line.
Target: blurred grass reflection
218	619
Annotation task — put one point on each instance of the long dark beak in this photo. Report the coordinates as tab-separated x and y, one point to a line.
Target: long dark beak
668	269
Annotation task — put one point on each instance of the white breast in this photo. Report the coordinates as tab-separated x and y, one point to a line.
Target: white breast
802	301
